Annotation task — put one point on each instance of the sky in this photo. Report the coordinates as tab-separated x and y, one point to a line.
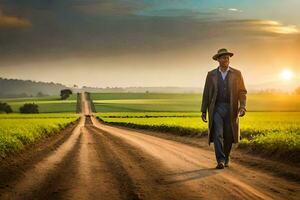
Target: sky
122	43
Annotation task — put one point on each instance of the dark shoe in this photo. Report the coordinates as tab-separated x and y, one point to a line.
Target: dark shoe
220	165
226	164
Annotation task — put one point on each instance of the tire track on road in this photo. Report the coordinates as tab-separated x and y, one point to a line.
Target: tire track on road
36	175
143	171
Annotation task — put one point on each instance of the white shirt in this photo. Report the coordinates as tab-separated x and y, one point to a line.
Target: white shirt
224	73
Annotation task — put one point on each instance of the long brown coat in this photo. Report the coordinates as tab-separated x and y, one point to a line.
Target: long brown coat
237	99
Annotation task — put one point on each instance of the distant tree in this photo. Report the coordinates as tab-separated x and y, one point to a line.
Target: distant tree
4	107
64	94
297	90
29	108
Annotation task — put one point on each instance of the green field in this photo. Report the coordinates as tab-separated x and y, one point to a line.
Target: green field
48	104
156	102
19	130
271	131
141	102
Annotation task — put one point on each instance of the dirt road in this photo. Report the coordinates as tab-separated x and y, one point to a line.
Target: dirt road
97	161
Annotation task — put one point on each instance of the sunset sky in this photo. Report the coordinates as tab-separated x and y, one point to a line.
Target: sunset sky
149	42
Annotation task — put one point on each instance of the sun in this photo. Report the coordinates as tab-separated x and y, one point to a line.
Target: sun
287	74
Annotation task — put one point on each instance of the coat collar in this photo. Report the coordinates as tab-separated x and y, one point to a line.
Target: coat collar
215	71
228	69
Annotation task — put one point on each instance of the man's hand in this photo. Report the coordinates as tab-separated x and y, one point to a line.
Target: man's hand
242	112
203	116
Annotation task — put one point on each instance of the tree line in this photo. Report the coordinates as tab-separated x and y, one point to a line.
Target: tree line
14	88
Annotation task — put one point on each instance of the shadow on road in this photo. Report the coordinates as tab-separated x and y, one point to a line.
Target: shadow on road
189	175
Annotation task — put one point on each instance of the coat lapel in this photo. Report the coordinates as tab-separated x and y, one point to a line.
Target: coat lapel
215	78
231	78
230	81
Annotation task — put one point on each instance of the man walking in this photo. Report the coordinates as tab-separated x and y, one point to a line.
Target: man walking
224	97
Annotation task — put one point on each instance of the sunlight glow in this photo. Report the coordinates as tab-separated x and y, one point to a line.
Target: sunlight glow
287	74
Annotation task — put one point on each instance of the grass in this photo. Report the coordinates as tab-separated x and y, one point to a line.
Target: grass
19	130
157	102
162	102
39	116
48	104
121	96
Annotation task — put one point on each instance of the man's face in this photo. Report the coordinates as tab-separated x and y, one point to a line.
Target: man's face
224	60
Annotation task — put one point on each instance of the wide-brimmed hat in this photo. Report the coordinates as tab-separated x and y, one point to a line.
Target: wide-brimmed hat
222	52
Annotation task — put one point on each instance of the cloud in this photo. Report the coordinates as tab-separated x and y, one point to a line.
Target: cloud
13	21
113	28
234	10
230	9
258	27
276	27
174	13
107	7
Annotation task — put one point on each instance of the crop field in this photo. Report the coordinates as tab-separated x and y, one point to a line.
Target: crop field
156	102
141	102
271	131
48	104
19	130
272	121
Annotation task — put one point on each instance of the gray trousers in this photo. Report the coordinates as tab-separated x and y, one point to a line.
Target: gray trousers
222	132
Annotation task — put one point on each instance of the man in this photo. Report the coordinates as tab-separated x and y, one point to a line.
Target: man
224	97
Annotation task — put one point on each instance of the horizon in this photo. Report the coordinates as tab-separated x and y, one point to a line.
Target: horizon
251	90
